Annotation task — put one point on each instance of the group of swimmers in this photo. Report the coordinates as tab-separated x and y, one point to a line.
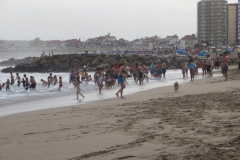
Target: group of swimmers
26	82
29	83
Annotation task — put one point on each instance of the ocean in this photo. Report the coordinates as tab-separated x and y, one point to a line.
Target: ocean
19	100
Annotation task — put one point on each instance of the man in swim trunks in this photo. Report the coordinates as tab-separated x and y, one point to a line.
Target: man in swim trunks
33	82
159	71
12	79
225	61
208	62
26	81
139	73
18	78
164	69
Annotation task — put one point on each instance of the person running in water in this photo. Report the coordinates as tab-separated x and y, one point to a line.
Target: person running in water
77	85
99	79
122	74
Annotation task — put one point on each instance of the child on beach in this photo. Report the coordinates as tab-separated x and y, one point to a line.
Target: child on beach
77	85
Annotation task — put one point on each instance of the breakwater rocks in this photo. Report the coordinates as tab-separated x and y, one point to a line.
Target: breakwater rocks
66	62
13	61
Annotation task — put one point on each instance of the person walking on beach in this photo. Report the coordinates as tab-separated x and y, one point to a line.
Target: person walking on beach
192	67
225	61
122	74
183	66
77	85
204	67
208	62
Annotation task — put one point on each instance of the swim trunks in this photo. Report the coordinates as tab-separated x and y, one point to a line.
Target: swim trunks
224	69
12	82
120	79
164	70
159	71
208	68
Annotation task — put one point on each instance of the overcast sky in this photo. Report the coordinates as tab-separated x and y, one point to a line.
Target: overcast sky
69	19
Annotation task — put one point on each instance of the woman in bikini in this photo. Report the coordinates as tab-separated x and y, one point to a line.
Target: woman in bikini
77	85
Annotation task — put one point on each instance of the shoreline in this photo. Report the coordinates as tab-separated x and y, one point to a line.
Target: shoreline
153	124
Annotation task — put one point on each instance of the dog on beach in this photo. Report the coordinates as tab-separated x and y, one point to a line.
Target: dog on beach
176	86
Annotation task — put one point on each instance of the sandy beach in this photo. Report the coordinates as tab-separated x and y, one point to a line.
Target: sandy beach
199	122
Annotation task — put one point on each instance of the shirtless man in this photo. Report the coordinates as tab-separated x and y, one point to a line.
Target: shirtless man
18	78
225	61
55	80
51	77
139	73
208	63
33	82
12	78
45	83
26	81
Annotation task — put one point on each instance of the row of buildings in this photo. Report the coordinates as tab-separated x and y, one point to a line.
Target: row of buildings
218	22
107	41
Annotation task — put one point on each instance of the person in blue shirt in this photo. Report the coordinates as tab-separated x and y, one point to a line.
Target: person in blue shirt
192	66
151	67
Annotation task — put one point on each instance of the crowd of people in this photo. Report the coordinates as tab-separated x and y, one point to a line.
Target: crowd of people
119	74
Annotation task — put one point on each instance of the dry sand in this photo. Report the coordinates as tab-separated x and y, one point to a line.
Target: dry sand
200	122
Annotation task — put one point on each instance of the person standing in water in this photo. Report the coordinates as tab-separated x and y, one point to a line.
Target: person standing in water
33	83
122	74
18	78
12	78
60	83
77	85
8	85
26	81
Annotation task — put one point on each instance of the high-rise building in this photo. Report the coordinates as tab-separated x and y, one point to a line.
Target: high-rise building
232	24
238	21
212	21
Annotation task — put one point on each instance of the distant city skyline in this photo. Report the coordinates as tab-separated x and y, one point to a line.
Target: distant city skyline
68	19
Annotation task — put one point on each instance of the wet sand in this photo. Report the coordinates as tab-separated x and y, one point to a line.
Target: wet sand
200	122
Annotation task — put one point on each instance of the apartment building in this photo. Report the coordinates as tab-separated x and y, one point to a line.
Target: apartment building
212	21
232	24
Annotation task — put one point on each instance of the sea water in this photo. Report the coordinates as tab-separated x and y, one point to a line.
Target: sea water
20	100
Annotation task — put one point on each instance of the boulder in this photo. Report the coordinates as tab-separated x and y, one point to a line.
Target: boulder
76	63
96	61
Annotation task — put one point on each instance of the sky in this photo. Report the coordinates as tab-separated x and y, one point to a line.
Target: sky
74	19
